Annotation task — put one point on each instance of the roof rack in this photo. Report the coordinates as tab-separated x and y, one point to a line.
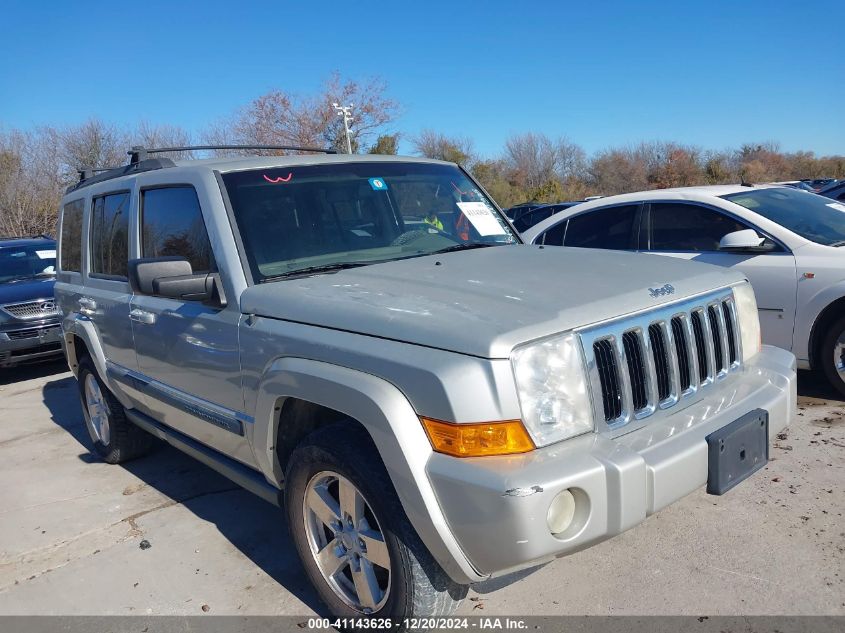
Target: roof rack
139	160
139	153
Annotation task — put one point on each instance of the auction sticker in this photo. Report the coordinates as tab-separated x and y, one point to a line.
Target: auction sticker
482	218
46	254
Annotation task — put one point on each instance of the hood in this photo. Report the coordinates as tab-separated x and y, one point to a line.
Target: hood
27	290
484	302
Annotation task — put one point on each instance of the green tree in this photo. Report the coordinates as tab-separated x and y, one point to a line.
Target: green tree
385	144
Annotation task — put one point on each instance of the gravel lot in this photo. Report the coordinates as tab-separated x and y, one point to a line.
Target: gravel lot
72	529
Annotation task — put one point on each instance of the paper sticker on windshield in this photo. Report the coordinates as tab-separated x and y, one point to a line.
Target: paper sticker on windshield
46	254
378	184
482	218
837	205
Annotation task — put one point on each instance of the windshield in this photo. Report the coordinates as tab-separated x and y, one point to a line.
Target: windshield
27	262
813	217
320	218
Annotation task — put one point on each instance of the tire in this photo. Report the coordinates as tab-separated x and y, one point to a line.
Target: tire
412	584
832	355
116	439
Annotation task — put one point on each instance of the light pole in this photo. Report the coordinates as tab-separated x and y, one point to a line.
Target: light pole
346	113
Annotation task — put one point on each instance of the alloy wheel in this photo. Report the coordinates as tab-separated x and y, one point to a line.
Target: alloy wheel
347	542
98	412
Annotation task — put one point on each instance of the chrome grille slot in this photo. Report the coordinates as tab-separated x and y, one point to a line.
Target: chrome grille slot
636	369
713	318
647	363
679	333
661	360
727	310
700	345
605	357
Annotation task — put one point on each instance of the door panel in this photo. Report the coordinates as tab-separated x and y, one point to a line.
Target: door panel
189	351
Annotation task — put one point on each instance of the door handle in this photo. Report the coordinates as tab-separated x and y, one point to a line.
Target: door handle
142	316
87	306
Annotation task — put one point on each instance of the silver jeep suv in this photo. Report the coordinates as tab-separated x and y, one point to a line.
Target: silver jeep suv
365	340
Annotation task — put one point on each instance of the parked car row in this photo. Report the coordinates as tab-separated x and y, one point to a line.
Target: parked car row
365	341
790	244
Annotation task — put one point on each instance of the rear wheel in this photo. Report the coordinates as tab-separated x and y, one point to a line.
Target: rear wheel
832	355
115	438
357	546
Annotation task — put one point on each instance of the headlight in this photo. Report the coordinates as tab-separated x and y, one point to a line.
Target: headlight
749	320
552	388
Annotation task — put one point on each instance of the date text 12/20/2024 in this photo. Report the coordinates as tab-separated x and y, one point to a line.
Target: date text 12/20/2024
419	624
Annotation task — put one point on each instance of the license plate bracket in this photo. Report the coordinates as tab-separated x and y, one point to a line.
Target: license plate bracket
737	451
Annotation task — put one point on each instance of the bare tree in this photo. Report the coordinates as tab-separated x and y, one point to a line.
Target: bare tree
532	159
150	135
433	144
282	118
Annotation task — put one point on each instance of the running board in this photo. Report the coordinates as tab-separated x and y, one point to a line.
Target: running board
242	475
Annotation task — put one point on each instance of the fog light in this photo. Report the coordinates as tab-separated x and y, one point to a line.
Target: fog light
561	512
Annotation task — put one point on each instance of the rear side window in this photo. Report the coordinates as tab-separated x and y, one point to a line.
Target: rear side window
611	228
172	225
678	226
110	235
71	245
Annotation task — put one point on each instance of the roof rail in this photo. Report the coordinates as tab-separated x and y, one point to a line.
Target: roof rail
139	153
90	175
139	160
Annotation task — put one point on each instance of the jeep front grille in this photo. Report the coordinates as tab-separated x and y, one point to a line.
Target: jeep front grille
651	361
41	309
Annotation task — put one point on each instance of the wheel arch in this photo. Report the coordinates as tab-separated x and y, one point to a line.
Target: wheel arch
312	388
824	320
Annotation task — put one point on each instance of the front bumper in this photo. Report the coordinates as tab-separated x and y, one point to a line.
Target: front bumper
497	506
30	342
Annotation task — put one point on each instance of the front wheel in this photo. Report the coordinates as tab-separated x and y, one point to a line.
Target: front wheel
351	533
115	438
832	355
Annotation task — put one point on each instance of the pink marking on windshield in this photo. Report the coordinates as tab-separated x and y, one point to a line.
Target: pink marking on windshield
276	181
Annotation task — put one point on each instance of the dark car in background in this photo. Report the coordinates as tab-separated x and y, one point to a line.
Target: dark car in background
820	183
524	207
527	219
30	327
835	190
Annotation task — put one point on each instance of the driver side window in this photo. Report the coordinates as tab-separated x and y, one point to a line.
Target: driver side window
684	227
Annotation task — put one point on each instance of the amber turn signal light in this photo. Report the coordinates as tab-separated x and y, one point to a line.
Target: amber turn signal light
478	440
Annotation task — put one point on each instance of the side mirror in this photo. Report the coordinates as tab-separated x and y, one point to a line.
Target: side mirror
173	278
745	241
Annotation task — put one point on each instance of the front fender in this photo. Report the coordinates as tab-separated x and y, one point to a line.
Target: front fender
394	427
79	326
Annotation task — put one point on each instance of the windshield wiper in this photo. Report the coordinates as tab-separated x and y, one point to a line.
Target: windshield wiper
842	243
316	270
462	247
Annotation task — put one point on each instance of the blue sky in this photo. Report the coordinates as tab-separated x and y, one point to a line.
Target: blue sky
715	74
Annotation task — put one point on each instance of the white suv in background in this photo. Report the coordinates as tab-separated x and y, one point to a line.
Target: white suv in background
789	243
